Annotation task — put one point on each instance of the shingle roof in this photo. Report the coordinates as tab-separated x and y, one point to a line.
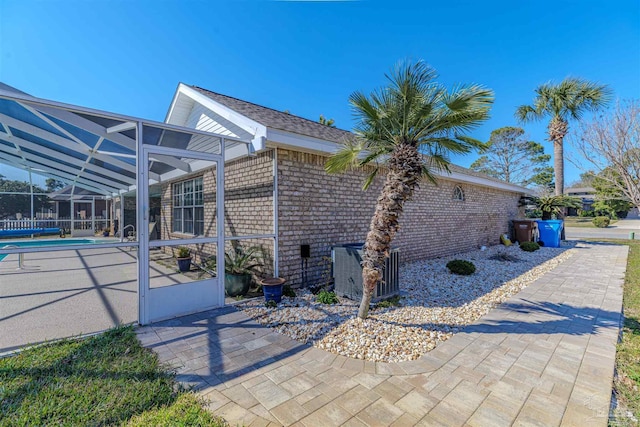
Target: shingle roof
277	119
295	124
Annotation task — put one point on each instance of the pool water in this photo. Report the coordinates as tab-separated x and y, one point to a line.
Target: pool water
41	243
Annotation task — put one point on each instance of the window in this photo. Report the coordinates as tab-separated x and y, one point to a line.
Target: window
458	193
188	207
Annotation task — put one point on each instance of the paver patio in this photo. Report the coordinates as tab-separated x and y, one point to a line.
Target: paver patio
545	357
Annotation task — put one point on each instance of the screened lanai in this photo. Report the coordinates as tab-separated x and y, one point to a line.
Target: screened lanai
135	166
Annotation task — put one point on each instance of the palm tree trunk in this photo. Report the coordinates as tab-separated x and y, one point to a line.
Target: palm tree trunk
405	170
558	128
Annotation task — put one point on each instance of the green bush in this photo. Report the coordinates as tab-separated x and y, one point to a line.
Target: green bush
184	252
461	267
287	291
325	297
529	246
601	221
394	301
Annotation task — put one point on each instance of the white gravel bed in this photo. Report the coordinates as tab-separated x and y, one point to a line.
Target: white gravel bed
435	304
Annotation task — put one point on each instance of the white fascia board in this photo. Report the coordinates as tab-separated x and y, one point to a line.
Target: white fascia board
167	118
285	139
301	142
258	130
472	179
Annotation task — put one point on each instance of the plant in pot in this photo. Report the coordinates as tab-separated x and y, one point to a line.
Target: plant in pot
239	264
553	205
105	232
184	259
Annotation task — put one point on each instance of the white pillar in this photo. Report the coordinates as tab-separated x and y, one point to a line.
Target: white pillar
93	213
31	190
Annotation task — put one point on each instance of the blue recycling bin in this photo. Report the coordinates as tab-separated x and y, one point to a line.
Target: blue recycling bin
550	231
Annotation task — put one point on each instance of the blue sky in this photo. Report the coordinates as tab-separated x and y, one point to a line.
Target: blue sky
308	57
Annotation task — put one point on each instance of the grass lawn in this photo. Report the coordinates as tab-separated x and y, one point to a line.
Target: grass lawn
577	221
627	382
628	353
108	379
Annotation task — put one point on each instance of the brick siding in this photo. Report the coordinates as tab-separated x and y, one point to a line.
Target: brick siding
323	210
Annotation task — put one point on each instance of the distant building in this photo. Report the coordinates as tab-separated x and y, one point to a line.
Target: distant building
586	194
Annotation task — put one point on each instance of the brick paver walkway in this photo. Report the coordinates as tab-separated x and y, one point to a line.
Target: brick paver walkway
545	357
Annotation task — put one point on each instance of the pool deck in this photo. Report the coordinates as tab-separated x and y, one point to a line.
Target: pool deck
544	357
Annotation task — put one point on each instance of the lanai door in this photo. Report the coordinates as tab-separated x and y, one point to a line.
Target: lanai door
181	201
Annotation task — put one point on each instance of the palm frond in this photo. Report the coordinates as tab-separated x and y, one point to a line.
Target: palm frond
369	180
416	110
345	158
572	97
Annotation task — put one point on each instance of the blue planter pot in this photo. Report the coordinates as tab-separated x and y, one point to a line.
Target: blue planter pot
272	289
184	264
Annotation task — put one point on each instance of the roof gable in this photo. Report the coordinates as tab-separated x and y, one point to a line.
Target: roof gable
277	119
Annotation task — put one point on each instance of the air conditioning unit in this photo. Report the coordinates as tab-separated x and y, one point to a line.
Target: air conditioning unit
347	272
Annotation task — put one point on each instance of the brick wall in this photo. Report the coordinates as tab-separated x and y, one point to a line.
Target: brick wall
248	205
322	210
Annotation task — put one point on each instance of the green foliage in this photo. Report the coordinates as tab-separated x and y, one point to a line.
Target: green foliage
627	379
394	301
10	204
412	109
586	214
510	157
529	246
53	185
184	252
288	291
610	200
461	267
601	221
326	297
107	379
238	261
243	261
570	98
550	205
187	410
271	304
326	122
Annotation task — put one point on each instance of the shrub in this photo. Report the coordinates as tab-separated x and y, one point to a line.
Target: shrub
394	301
461	267
287	291
601	221
325	297
529	246
184	252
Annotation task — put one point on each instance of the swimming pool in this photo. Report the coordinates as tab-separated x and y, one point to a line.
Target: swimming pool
44	243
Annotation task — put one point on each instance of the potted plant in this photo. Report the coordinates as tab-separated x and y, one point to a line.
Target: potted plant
272	288
184	259
553	205
239	264
105	232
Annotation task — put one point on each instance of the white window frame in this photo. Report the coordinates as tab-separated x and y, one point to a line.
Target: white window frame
458	194
179	202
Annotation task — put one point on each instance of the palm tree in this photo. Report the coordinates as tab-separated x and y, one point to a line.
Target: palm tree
408	127
568	99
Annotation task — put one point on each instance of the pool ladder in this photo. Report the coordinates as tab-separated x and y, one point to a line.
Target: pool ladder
20	256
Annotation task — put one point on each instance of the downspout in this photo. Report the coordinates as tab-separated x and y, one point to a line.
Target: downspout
276	239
